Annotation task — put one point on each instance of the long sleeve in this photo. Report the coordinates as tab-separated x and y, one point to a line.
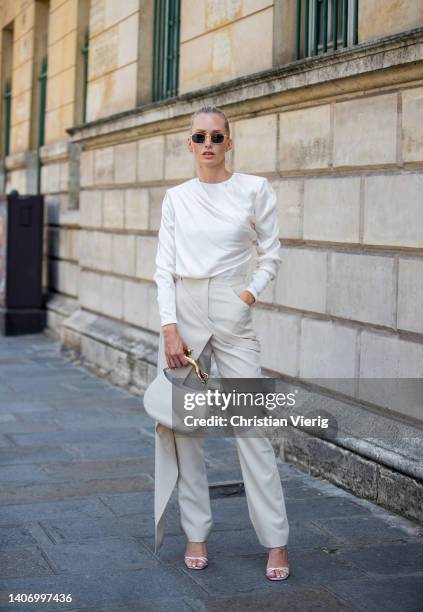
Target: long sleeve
266	226
165	264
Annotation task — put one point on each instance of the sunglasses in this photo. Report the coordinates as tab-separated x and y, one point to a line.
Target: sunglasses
217	138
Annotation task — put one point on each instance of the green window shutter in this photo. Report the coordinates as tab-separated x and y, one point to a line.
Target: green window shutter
325	25
84	52
7	98
167	16
43	99
42	114
7	116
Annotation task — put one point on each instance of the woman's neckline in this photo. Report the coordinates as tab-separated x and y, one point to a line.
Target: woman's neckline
219	183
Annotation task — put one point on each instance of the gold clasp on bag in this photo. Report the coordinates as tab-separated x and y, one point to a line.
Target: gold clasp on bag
203	376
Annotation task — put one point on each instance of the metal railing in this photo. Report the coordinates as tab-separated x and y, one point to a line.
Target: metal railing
325	25
167	16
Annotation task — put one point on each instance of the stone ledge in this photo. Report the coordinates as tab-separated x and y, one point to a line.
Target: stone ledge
23	159
374	434
268	89
55	151
59	308
114	350
61	304
385	486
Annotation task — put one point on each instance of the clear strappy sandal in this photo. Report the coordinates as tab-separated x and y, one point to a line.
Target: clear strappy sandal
193	567
283	568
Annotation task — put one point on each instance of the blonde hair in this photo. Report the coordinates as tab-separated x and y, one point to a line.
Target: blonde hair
210	109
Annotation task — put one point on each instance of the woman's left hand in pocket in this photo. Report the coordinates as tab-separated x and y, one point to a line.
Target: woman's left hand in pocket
247	297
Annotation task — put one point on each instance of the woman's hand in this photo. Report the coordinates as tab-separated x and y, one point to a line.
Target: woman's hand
174	347
248	297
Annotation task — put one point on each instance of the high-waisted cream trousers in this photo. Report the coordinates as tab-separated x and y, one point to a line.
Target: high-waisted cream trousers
213	318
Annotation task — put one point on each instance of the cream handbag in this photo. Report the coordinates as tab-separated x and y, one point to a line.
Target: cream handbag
164	397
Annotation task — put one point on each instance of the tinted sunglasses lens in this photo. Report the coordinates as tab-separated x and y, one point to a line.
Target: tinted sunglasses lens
216	138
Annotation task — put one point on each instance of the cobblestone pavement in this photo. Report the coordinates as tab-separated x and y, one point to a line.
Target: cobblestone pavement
76	512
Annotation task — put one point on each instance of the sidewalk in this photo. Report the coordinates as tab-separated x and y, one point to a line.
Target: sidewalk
76	513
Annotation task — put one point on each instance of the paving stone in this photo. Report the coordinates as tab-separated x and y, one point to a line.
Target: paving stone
364	530
388	559
301	600
25	369
17	561
215	474
6	361
185	604
113	449
61	392
33	377
39	418
4	418
125	504
402	594
77	421
324	508
18	428
91	588
18	407
322	566
61	490
109	555
98	469
5	442
294	489
80	530
303	534
61	437
231	513
26	472
19	536
92	403
89	507
43	454
212	443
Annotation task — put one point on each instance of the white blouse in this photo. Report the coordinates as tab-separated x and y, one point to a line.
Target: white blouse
210	228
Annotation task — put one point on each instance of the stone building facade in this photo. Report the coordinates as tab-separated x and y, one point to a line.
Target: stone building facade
95	117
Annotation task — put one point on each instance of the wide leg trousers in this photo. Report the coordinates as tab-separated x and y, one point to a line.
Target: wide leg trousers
212	318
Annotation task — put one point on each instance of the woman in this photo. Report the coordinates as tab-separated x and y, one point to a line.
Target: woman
205	245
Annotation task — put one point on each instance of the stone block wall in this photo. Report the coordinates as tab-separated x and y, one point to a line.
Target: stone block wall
113	65
122	188
383	17
222	39
347	300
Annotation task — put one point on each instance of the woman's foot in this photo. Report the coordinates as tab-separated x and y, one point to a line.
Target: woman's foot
196	555
277	565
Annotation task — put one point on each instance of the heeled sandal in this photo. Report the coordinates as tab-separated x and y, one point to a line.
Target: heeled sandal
193	567
284	568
